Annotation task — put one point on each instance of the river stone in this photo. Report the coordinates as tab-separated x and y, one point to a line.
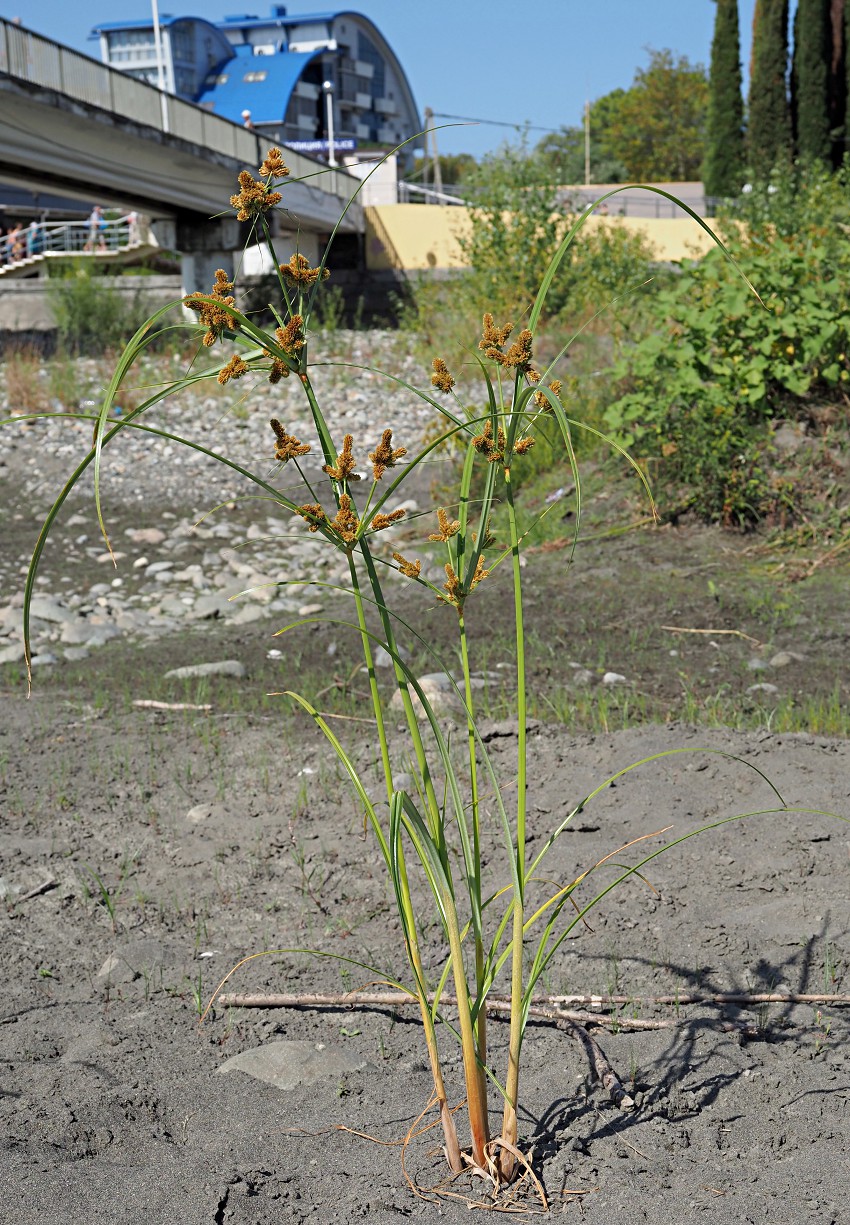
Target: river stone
226	667
12	654
146	535
288	1064
783	658
614	678
762	687
46	608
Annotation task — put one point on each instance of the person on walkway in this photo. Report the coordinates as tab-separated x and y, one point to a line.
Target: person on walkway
97	224
247	122
15	243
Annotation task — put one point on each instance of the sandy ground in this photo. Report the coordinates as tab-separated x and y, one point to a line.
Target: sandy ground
209	848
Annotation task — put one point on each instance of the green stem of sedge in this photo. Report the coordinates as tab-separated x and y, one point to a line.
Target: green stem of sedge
481	1020
509	1121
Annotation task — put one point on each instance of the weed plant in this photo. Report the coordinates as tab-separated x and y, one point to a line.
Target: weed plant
436	832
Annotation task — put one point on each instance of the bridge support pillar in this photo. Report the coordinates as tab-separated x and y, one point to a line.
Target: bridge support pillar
205	246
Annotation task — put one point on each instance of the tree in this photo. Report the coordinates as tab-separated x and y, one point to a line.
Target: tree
563	152
723	170
769	119
810	78
657	128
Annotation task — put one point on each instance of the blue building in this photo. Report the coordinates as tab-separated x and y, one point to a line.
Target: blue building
291	78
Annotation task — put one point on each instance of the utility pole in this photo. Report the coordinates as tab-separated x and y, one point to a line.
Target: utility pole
160	64
431	131
587	144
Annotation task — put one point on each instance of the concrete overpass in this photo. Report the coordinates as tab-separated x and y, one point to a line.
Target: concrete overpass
69	123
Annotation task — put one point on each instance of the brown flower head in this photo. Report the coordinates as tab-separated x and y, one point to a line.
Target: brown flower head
253	198
454	587
212	314
485	445
382	521
479	574
410	569
234	369
343	470
313	514
448	527
518	356
287	446
541	401
384	456
441	379
524	445
298	272
345	522
278	369
494	337
291	337
274	166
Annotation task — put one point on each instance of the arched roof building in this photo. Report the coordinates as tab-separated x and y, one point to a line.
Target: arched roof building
276	68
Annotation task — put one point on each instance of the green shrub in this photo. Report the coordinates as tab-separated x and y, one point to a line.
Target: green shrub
698	394
92	317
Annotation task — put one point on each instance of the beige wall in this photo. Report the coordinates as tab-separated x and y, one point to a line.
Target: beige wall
419	237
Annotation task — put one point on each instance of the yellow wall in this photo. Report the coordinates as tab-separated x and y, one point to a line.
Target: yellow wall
419	237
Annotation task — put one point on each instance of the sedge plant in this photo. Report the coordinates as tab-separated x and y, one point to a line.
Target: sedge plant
434	834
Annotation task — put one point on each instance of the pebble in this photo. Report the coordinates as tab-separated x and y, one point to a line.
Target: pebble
614	678
763	687
225	667
288	1064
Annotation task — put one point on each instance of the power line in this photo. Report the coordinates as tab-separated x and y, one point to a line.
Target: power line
497	123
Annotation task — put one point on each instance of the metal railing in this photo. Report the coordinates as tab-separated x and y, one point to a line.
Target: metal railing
408	193
40	61
42	238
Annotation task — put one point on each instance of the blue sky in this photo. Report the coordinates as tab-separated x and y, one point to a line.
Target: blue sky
533	62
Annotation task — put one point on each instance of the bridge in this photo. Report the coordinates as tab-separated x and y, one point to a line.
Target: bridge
69	123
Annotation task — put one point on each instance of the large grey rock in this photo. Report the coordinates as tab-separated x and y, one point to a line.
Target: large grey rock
226	667
46	608
288	1064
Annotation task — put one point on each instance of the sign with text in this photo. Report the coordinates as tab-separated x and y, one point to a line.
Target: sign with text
322	146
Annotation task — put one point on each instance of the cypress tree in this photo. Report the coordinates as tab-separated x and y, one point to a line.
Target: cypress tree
723	170
769	119
810	79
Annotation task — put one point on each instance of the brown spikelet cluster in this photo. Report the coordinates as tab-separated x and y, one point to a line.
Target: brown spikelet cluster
384	456
343	469
234	369
313	514
494	339
541	401
382	521
479	574
492	449
287	446
274	167
291	337
211	314
278	369
454	587
441	379
448	527
524	445
410	569
298	272
253	198
345	523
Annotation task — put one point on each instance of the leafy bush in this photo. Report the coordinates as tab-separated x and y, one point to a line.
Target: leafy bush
697	396
516	221
92	317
